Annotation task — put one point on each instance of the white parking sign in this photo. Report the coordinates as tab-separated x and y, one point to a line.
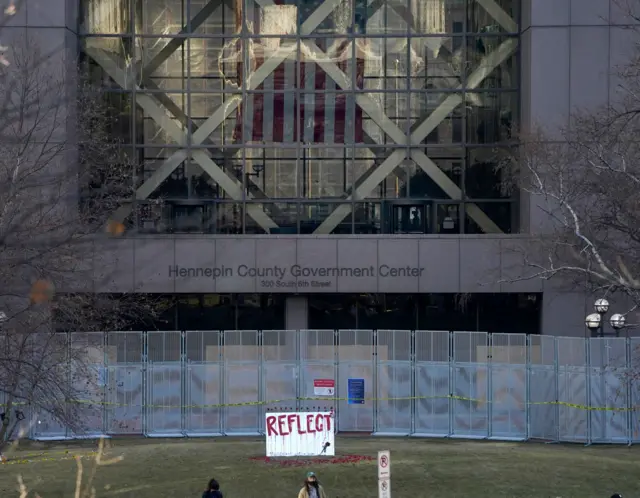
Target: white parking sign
384	465
384	474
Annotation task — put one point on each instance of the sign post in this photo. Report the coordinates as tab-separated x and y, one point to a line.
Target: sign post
384	474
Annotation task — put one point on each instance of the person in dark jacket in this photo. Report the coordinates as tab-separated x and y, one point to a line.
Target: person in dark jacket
213	490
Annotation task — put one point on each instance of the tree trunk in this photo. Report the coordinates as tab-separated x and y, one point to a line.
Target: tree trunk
5	433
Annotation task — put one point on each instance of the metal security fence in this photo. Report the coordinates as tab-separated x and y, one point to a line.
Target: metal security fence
420	383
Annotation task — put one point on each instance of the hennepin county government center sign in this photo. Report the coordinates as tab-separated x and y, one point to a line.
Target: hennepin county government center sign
294	275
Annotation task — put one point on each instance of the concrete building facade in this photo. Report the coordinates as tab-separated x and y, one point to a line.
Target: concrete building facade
314	165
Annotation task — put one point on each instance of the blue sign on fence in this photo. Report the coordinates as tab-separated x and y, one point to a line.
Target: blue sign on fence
356	391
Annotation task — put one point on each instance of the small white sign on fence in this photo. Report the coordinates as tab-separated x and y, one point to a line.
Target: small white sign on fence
300	434
384	474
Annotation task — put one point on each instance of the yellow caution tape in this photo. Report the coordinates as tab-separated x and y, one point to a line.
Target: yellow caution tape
335	400
25	460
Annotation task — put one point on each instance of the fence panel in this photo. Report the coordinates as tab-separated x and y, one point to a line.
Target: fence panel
317	361
164	384
543	388
26	426
164	399
572	389
432	384
203	383
505	386
356	361
394	382
48	427
124	399
470	385
124	347
52	355
634	386
242	381
204	394
507	358
164	347
279	371
89	381
608	390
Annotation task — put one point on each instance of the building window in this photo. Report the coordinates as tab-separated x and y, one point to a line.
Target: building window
261	142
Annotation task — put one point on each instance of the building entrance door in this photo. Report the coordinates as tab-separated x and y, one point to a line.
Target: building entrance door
409	218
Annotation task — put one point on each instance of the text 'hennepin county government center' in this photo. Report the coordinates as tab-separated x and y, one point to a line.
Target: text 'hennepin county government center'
335	164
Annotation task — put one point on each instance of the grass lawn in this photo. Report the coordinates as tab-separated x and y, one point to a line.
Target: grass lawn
420	468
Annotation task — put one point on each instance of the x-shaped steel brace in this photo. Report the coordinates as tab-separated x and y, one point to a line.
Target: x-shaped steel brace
147	102
256	78
166	52
146	81
160	116
416	137
489	63
198	137
227	154
379	157
408	17
377	115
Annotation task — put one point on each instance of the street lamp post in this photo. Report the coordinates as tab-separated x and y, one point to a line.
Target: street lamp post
595	321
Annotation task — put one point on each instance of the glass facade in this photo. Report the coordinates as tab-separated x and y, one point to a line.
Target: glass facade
311	116
462	312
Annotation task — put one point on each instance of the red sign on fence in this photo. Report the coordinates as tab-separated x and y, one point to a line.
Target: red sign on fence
324	387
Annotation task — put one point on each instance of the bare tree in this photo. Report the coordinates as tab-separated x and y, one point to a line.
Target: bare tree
586	182
61	174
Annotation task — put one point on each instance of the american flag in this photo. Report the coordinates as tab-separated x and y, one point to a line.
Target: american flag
320	112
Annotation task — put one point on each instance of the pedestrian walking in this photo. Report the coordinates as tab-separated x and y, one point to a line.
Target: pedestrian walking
312	487
213	490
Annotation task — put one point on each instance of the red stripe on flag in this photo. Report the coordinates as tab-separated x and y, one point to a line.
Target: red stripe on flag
318	111
281	89
258	112
340	111
278	104
359	128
